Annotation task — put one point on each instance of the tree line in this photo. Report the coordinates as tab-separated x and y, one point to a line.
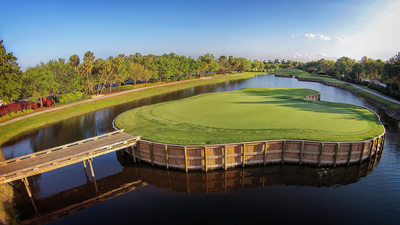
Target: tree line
92	75
381	75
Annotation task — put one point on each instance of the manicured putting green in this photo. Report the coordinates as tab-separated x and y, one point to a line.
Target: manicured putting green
250	114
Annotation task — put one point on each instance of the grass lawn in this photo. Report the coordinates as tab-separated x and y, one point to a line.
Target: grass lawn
250	114
304	74
10	130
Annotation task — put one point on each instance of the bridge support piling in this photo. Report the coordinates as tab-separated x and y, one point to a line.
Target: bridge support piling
28	190
91	167
85	169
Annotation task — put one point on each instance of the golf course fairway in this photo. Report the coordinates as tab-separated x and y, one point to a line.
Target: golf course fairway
250	114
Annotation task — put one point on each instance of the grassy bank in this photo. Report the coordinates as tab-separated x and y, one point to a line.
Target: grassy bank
10	130
385	103
250	114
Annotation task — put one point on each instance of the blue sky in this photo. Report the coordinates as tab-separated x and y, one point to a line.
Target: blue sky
37	31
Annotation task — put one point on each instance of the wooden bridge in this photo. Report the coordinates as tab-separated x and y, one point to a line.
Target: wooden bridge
57	157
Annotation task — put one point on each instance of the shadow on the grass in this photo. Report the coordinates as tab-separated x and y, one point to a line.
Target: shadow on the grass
294	99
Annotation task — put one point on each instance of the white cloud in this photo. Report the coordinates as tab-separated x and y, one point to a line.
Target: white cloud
311	36
317	36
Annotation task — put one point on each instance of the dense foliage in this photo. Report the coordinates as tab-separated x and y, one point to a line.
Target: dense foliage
70	97
379	75
94	75
10	75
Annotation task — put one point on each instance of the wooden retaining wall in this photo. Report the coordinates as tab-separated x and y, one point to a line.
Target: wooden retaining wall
224	156
333	84
284	75
315	97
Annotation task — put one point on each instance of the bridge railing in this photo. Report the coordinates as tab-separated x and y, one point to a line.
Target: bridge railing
50	150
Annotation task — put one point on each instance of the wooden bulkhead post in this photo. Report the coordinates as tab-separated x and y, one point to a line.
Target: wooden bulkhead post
371	150
337	146
350	152
244	155
362	152
265	153
301	153
321	147
186	160
225	158
283	152
205	158
166	156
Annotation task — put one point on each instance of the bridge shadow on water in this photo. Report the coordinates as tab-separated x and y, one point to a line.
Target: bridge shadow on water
136	175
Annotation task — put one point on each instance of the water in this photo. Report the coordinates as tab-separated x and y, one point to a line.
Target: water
360	194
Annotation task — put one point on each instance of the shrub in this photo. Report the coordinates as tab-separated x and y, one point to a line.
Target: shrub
16	107
70	97
127	87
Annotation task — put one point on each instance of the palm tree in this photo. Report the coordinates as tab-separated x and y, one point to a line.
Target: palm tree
88	61
74	61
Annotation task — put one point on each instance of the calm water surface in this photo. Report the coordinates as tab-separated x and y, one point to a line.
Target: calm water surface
136	193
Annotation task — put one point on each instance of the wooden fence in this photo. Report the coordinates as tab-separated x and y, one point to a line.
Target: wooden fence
224	156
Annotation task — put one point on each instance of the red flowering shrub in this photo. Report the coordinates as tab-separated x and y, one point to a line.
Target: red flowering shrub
24	105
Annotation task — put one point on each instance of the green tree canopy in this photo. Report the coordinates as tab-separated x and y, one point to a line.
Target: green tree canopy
39	82
344	66
10	75
65	75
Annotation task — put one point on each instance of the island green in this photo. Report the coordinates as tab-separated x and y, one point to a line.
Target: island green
250	114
